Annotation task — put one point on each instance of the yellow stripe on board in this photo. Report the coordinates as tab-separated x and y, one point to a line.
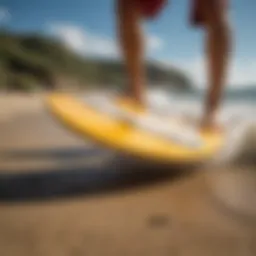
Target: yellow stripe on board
115	134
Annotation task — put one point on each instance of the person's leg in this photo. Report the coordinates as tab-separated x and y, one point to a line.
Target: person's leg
218	46
132	46
129	16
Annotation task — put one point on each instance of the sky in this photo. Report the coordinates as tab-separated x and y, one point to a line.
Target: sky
88	28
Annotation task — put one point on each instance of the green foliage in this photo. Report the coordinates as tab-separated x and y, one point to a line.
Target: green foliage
3	77
22	82
29	61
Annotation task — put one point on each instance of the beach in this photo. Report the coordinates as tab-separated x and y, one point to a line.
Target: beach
177	215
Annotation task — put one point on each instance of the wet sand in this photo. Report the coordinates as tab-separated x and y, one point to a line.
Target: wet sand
177	215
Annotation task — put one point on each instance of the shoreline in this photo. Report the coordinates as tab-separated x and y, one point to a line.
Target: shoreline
172	216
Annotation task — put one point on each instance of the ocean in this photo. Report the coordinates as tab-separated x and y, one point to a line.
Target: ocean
237	114
236	103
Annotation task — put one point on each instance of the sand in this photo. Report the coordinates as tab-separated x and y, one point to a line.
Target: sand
178	215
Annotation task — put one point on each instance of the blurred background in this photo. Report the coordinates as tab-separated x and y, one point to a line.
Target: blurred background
61	195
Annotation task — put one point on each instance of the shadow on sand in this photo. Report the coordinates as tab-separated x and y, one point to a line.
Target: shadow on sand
53	153
115	173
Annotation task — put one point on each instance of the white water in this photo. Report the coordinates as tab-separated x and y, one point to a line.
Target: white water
173	104
237	116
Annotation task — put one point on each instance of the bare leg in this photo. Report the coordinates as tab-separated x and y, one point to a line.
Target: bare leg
132	46
218	47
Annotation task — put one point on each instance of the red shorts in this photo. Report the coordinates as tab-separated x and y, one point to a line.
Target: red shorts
150	8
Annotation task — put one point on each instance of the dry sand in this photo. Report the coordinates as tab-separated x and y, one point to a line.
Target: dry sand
175	216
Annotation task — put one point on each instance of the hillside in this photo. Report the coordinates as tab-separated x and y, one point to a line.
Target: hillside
29	62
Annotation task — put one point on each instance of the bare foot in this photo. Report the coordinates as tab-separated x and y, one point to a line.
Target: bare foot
209	124
136	101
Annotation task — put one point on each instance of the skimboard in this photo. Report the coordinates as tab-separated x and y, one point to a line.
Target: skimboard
120	125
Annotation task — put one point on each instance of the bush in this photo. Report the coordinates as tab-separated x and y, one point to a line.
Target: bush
3	77
33	59
22	82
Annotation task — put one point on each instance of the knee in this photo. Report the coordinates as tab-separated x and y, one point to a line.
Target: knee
219	22
127	4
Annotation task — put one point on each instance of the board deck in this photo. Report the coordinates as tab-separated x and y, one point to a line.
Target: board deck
91	123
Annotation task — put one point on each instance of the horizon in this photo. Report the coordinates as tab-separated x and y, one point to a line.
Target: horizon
88	28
